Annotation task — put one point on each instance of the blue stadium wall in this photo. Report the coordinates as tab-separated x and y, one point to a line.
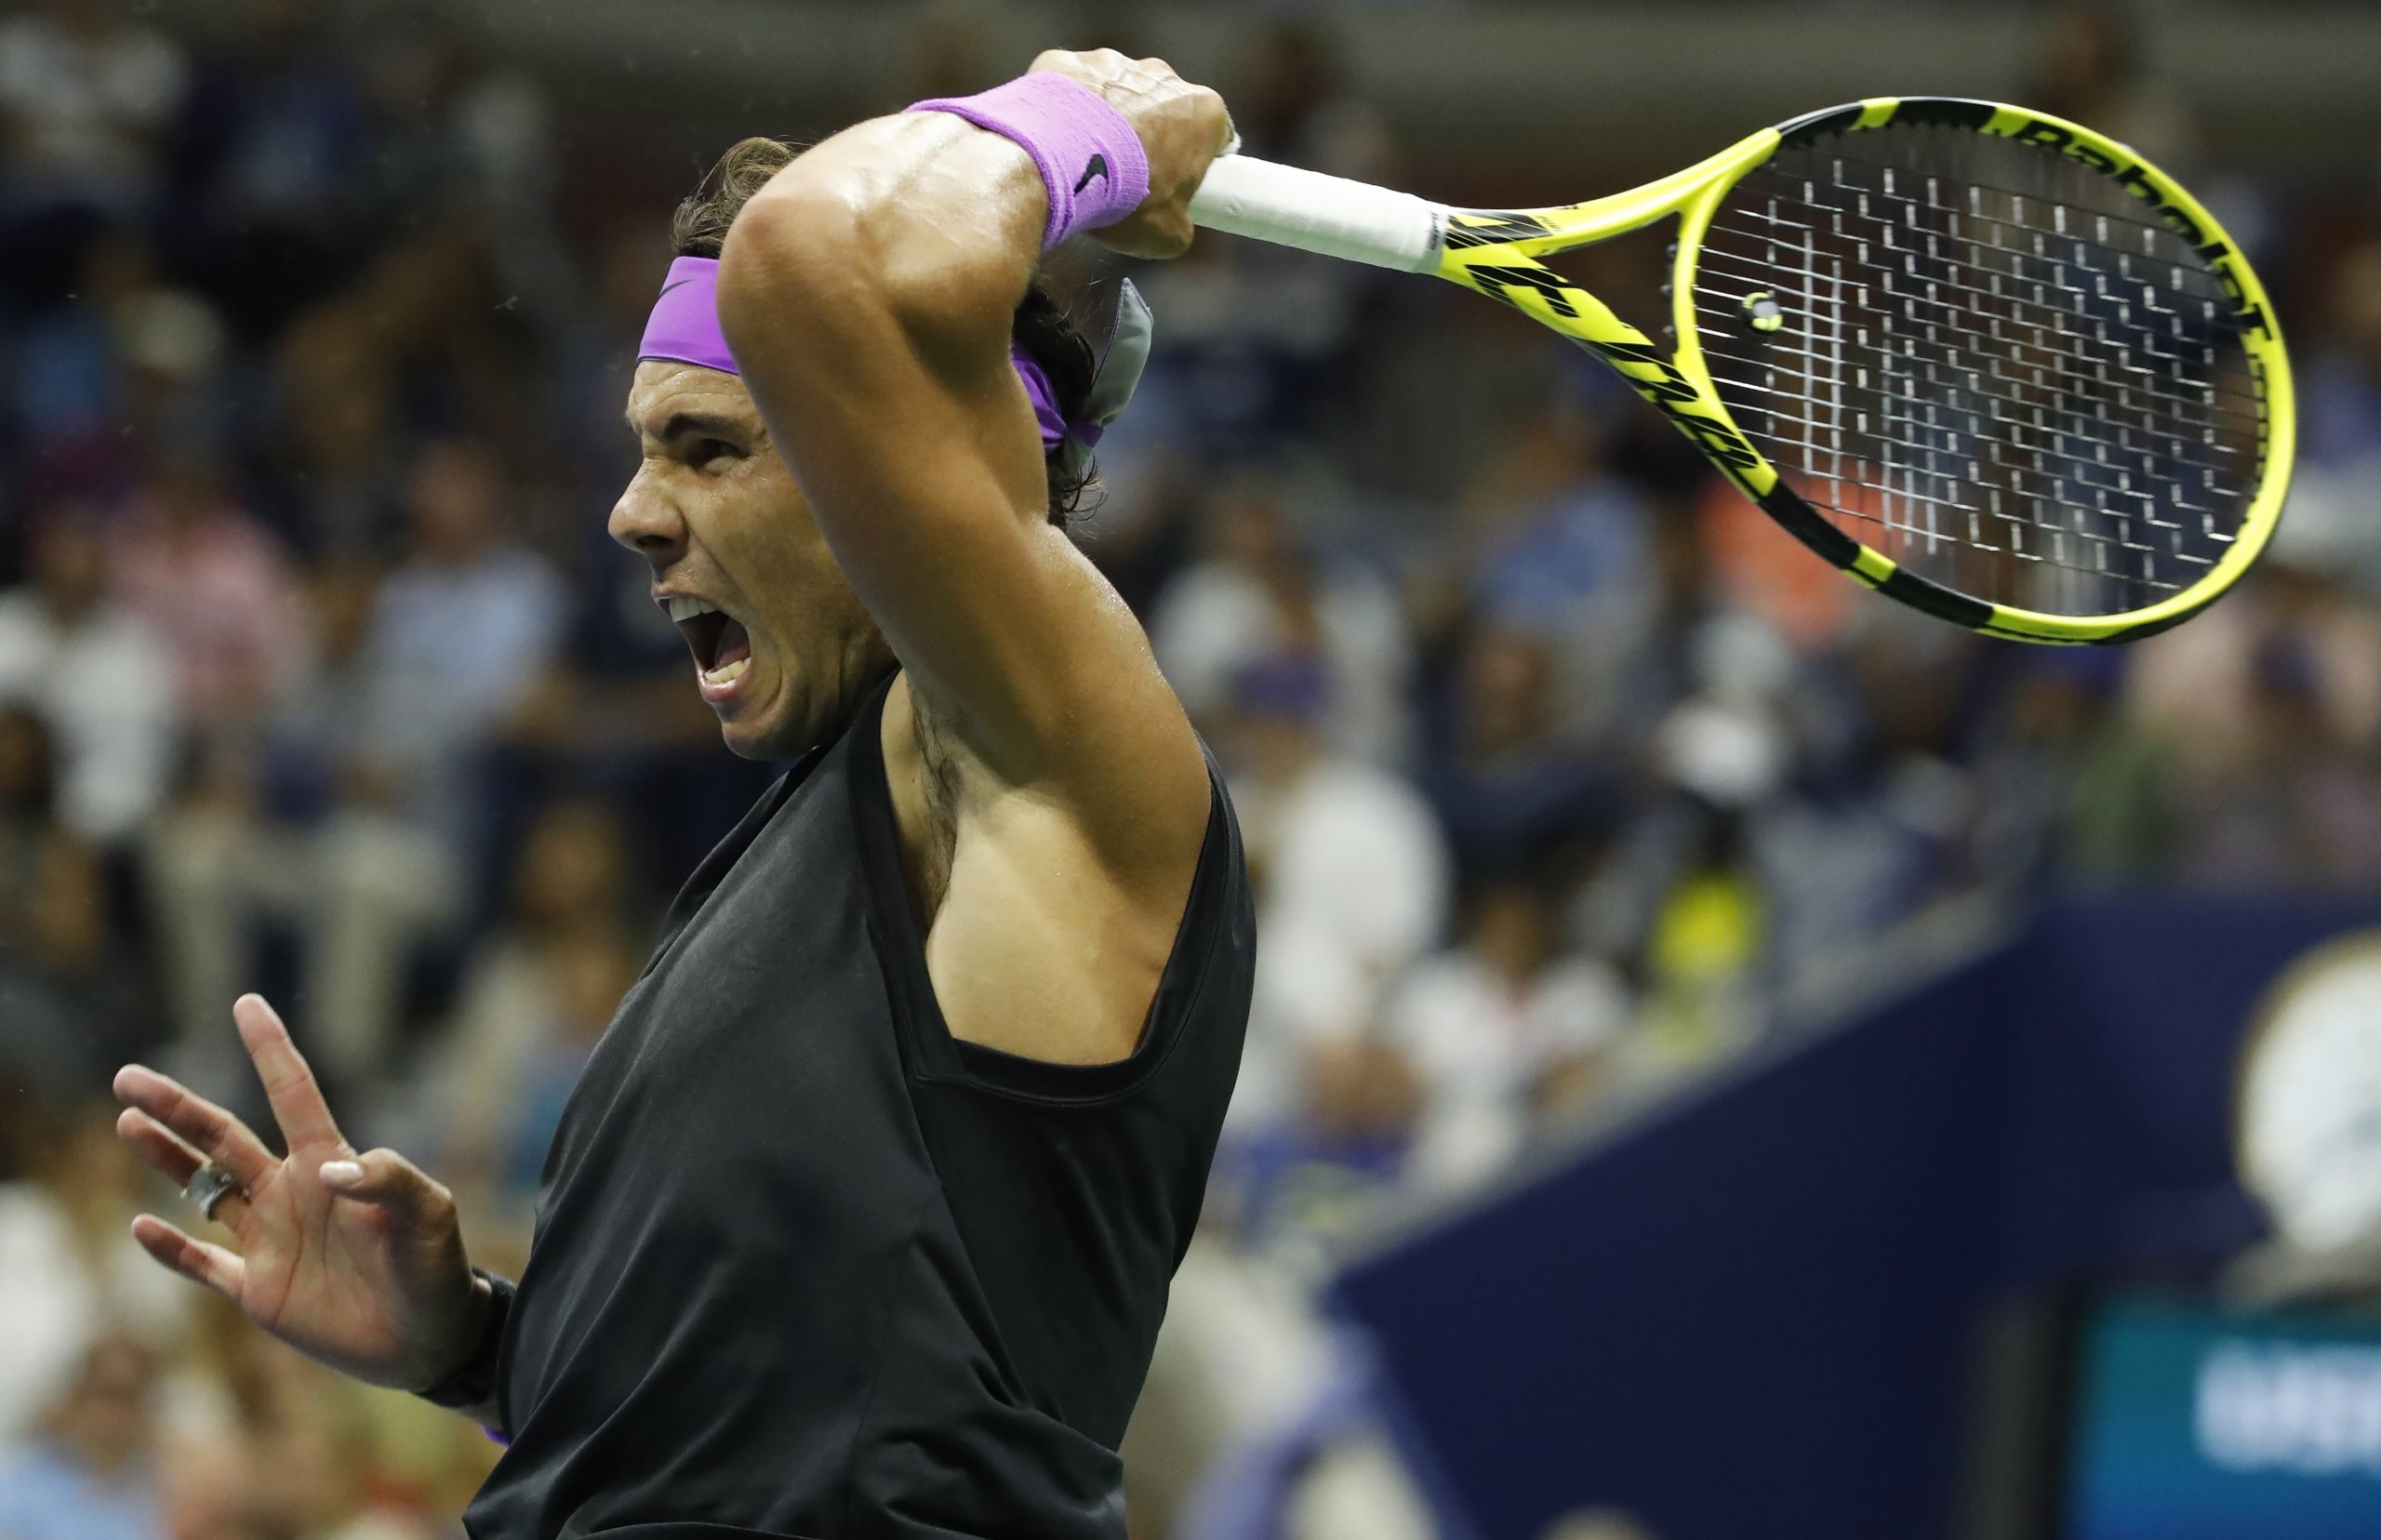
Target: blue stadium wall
1753	1312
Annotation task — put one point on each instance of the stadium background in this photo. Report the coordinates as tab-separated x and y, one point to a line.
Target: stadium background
1720	1041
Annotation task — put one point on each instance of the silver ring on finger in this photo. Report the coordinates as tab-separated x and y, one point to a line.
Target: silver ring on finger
208	1186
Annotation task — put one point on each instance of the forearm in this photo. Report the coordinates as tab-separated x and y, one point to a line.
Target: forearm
867	296
920	224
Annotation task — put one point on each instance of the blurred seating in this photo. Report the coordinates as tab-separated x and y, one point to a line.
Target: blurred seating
1559	764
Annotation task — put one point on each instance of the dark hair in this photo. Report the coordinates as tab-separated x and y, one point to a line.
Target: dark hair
1041	325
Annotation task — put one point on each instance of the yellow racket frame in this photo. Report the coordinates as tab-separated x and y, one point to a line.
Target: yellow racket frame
1496	253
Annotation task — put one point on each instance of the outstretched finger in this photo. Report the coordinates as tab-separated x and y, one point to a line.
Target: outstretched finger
385	1177
198	1122
167	1154
159	1146
297	1104
195	1260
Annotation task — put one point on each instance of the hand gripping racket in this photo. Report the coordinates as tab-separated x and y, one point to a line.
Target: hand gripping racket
1991	363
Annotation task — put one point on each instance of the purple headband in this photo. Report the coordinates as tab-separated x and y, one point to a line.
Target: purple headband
684	328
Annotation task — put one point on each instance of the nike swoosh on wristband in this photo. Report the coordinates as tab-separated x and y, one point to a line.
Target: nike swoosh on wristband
1098	167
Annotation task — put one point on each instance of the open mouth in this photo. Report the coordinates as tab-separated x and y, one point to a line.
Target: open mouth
722	648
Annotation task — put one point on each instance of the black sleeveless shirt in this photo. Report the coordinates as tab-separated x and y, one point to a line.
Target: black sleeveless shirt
805	1263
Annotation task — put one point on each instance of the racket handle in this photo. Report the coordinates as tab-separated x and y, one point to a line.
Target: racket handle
1353	220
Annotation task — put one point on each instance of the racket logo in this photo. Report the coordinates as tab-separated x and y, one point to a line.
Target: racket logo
1493	281
2136	179
1659	381
1479	230
1098	167
1636	359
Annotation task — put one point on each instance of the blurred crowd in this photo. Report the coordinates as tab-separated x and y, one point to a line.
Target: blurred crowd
1557	765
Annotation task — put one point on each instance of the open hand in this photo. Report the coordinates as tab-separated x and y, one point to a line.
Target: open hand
354	1260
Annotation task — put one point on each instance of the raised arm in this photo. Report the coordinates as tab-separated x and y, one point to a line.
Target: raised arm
868	294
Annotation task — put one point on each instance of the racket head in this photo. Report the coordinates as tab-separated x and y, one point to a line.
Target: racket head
1990	363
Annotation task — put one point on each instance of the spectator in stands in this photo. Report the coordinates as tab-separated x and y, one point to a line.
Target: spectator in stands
336	460
413	83
1502	1029
264	1442
2091	73
67	1276
2344	386
1557	548
92	1476
100	678
123	361
1506	782
2244	752
87	96
310	1457
398	724
68	383
71	1000
1567	543
210	579
1351	881
539	992
2034	750
243	846
1256	594
1702	955
273	173
2339	437
1295	108
460	632
454	136
1257	338
49	885
1897	800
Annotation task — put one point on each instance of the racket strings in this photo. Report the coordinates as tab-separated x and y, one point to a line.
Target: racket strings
1959	308
2068	439
1986	365
2179	431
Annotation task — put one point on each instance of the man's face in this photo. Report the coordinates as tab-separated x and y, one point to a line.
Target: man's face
785	649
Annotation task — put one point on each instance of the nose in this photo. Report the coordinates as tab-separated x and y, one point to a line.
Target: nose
647	520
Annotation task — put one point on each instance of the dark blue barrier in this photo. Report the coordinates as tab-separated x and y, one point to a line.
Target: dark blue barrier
1750	1314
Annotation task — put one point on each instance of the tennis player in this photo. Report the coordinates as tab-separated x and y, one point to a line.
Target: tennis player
861	1219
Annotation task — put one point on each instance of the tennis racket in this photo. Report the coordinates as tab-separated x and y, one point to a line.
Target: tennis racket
1991	363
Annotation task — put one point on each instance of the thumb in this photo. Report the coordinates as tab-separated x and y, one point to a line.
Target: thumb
385	1177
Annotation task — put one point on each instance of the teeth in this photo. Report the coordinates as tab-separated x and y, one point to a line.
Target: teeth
687	609
727	673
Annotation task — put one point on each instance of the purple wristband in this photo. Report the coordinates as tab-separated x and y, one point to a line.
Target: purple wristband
1089	157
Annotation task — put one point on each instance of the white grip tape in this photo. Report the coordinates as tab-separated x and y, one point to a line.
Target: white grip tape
1333	216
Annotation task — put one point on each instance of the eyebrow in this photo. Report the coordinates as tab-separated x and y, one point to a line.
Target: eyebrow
713	424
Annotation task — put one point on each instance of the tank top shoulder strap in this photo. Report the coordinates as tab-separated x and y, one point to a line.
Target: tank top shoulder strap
715	866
